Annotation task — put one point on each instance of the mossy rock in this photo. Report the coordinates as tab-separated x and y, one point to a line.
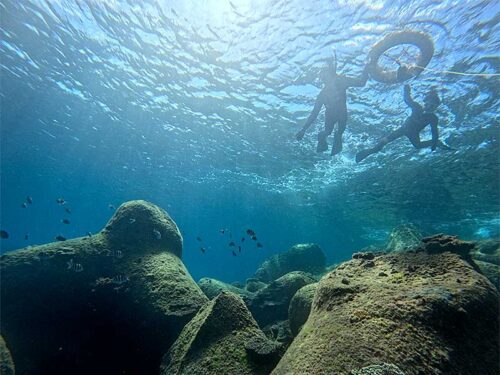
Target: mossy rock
6	363
270	304
253	285
441	319
223	338
302	257
300	307
382	369
402	238
487	251
491	271
97	301
212	288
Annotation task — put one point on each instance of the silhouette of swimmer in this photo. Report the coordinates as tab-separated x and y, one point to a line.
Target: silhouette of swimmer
413	125
333	97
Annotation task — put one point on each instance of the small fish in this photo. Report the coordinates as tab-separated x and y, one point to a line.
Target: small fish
231	244
157	234
199	239
24	205
202	249
259	244
67	209
250	232
29	199
242	239
111	207
222	231
234	254
254	238
3	234
26	236
60	238
131	220
89	234
117	254
78	267
239	249
120	279
69	264
60	201
65	221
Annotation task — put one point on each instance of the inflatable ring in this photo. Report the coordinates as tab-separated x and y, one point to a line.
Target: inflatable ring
420	40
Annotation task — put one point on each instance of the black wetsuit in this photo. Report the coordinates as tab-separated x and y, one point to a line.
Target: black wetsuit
333	96
411	128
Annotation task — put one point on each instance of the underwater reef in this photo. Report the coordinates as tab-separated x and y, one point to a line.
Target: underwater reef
122	302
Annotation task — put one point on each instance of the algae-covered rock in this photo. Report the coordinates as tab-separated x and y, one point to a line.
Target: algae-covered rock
270	304
403	237
6	362
253	285
491	271
223	338
425	313
300	307
487	251
303	257
96	300
382	369
212	288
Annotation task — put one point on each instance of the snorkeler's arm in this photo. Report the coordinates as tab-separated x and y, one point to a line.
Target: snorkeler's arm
409	100
433	122
312	116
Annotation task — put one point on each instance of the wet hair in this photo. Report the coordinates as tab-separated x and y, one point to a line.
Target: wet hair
432	97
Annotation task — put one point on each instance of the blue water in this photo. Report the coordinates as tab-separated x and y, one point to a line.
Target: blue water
194	105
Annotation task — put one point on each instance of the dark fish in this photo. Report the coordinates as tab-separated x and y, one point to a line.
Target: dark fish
65	221
254	238
250	232
242	239
60	238
26	236
202	249
67	210
239	249
232	244
222	231
198	239
24	205
89	234
60	201
234	254
29	199
259	244
4	234
111	207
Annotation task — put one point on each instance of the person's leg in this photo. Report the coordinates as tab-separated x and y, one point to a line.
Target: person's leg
417	143
329	124
337	137
380	145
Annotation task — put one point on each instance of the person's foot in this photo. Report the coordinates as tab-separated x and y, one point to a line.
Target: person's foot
362	155
336	149
322	145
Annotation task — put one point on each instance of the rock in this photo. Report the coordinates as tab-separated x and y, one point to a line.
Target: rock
403	237
6	362
270	304
487	251
491	271
432	314
300	307
440	243
303	257
97	300
383	369
253	285
223	338
280	332
212	288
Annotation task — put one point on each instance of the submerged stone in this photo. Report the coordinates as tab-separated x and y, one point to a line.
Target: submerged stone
300	307
6	363
223	338
97	300
212	288
382	369
403	237
431	314
302	257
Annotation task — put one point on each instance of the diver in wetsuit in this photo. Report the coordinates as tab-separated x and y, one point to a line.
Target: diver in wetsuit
333	97
413	125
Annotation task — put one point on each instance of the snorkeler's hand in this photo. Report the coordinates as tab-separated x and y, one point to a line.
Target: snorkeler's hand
434	145
300	134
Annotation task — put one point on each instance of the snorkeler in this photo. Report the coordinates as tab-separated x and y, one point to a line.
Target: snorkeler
333	97
413	125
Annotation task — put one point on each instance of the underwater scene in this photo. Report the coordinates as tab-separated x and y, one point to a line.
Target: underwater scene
249	187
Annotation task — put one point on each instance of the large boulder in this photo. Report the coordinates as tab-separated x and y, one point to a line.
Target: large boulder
424	313
270	304
487	251
300	307
302	257
223	338
99	305
403	237
212	288
6	362
491	271
382	369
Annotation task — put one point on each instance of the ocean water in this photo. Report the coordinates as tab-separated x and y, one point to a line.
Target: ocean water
194	106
